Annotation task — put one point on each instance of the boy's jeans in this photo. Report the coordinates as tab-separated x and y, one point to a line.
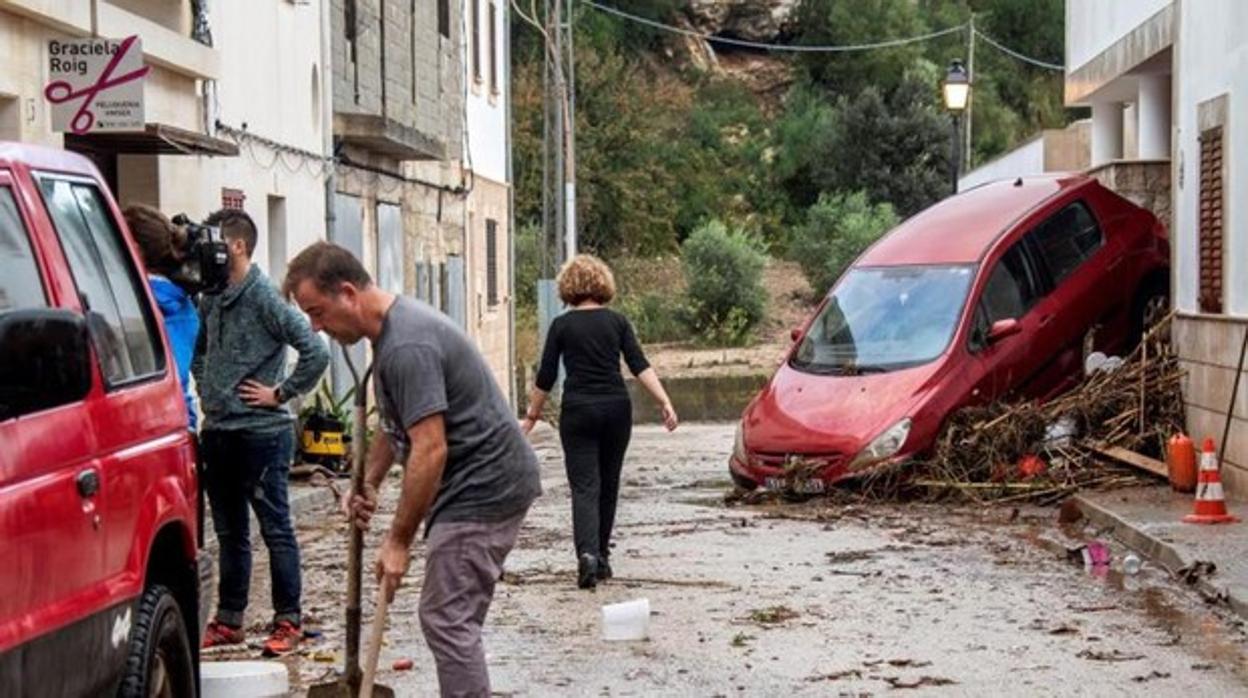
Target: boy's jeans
245	468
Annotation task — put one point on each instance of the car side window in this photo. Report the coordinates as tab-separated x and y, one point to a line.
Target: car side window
20	285
1067	240
1012	288
121	324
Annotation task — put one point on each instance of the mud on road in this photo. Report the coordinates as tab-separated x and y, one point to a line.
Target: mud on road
809	599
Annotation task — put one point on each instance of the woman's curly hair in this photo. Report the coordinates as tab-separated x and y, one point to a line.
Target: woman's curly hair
159	240
586	278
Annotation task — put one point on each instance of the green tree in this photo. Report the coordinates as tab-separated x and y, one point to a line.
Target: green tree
723	272
840	23
837	229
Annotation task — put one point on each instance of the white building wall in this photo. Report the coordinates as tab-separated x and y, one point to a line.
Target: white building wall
1211	61
1027	159
1094	25
271	81
486	144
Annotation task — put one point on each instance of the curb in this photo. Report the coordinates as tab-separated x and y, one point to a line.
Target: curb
1165	554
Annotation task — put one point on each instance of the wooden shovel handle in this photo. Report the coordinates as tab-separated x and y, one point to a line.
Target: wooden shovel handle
374	645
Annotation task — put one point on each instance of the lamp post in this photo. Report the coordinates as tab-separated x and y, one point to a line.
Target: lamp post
957	90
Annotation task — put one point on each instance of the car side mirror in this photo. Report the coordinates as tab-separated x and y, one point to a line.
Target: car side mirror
795	334
45	360
1002	329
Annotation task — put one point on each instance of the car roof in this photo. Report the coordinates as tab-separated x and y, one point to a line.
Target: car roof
40	157
962	228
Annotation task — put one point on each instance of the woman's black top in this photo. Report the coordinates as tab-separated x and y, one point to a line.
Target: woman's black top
590	343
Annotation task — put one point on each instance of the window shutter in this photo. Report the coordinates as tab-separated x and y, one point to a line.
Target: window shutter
1211	231
491	261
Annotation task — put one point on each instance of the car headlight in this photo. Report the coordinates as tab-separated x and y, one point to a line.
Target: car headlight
886	445
738	445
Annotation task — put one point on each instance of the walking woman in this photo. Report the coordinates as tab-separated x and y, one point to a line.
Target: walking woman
596	418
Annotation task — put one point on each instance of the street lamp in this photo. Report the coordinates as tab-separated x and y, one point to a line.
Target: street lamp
957	90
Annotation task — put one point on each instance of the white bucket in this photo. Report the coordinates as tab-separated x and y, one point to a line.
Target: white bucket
626	621
243	680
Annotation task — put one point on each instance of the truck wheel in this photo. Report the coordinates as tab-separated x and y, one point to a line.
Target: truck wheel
1151	305
159	664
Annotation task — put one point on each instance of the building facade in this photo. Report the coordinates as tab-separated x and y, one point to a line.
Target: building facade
377	124
1167	83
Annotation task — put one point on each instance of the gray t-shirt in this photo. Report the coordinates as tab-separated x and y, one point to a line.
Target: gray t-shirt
427	365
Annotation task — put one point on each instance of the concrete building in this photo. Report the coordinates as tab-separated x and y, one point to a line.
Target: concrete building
1167	82
487	148
257	72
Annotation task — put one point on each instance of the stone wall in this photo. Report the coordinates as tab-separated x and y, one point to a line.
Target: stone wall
1145	183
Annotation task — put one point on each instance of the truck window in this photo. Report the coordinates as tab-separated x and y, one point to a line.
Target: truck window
122	327
1067	240
20	286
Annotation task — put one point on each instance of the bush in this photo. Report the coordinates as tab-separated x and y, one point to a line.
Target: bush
724	271
837	229
657	317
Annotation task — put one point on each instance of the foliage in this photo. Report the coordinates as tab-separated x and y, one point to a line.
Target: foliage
656	317
723	270
837	229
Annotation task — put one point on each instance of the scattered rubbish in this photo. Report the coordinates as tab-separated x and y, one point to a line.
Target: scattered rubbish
741	640
1109	656
775	615
311	634
1204	666
1064	629
1131	564
898	663
1031	466
626	621
1149	677
835	676
403	665
1060	434
325	657
1093	554
1196	571
843	556
898	682
1094	609
1210	505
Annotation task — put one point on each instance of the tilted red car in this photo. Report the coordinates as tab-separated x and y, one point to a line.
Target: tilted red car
995	293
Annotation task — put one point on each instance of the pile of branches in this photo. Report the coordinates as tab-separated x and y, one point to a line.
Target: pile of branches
991	452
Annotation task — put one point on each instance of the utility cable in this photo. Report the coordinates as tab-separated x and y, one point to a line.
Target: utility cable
771	47
1026	59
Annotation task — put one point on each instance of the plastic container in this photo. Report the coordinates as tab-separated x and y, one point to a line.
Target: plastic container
243	680
1181	463
628	621
1131	564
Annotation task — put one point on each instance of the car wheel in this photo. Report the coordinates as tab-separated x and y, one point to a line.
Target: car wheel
1151	306
159	663
742	481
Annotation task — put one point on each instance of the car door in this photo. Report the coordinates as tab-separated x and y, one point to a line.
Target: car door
1011	292
51	537
140	421
1080	272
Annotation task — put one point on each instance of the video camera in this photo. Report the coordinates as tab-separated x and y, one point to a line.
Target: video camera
206	258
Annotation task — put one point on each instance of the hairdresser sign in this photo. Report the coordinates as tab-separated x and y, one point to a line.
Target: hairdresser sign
96	85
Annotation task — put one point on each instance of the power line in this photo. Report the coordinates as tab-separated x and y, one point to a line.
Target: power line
1026	59
770	47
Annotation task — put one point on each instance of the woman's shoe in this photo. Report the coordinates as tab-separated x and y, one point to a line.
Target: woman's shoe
587	572
604	569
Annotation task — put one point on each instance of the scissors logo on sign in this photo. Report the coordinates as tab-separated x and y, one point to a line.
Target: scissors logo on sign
61	91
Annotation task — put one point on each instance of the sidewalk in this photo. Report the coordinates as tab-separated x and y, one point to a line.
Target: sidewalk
1150	521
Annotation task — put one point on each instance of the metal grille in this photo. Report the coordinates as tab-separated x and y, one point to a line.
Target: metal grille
1211	231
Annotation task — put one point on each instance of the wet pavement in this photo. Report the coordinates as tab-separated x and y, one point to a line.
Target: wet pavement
813	599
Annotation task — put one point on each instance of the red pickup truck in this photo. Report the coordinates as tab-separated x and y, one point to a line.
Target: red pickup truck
100	560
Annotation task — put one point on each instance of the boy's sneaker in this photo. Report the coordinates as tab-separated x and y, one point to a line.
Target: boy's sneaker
284	639
218	634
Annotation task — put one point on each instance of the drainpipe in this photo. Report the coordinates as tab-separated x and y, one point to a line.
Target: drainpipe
327	110
513	390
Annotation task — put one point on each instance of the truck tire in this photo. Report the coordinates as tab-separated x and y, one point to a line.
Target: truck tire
1151	304
159	663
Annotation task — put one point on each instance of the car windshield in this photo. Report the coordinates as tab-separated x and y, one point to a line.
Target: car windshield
885	318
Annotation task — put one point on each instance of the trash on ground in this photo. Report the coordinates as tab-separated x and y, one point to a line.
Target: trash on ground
1131	564
898	682
626	621
403	665
1108	656
775	615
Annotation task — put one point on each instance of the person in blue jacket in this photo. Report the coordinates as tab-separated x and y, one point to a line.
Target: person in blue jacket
161	244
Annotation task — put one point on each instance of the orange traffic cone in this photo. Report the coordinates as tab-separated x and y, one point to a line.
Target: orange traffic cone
1210	502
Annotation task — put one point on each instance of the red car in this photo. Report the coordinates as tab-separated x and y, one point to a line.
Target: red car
995	293
101	564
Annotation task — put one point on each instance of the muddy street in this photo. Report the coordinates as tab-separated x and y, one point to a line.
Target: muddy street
810	599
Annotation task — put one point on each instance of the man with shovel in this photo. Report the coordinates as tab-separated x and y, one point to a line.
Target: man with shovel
469	472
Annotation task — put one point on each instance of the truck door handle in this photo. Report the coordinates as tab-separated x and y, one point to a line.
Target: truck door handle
1117	262
88	483
1045	320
